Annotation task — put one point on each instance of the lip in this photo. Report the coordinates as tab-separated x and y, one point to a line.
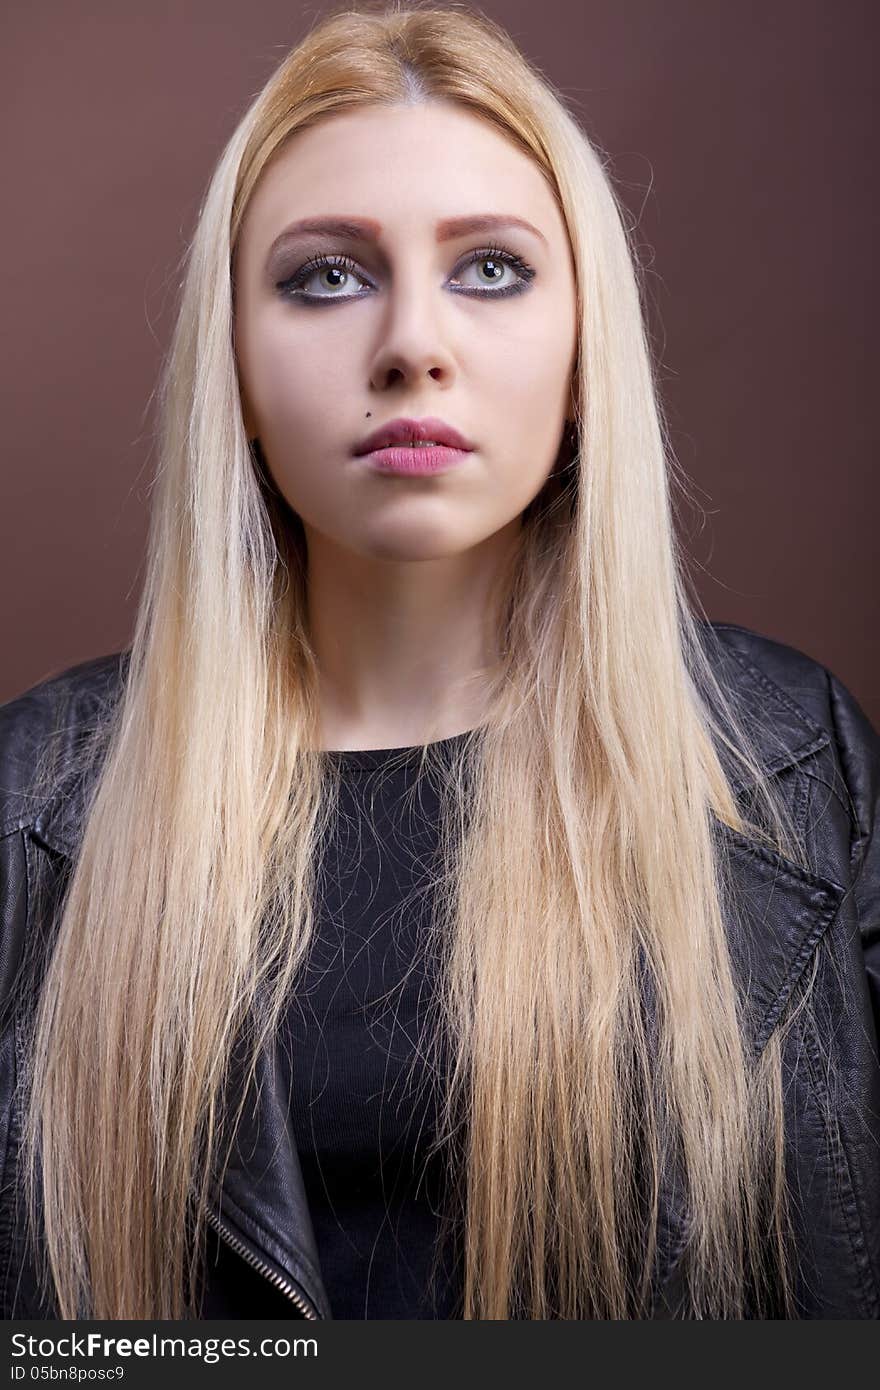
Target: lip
403	432
414	462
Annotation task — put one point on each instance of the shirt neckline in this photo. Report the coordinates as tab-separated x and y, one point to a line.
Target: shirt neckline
378	757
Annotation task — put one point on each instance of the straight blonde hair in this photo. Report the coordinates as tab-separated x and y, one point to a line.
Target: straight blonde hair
579	858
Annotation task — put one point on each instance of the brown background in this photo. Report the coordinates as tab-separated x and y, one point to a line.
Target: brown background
743	140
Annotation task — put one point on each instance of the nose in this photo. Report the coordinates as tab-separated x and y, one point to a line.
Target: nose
412	343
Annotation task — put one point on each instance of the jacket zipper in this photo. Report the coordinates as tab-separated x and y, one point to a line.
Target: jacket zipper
283	1285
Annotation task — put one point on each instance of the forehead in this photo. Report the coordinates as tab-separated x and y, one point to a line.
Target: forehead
407	167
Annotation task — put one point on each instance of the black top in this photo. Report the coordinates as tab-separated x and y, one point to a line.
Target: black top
361	1121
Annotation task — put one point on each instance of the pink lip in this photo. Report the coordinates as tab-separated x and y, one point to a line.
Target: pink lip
404	432
415	462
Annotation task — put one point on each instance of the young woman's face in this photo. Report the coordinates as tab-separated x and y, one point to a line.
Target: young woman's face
413	325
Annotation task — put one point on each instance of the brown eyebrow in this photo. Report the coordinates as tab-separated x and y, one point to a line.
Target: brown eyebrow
367	229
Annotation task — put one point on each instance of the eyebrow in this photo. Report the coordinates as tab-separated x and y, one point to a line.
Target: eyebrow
367	229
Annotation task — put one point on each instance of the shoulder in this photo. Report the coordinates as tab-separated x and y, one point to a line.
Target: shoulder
747	659
816	713
42	728
809	717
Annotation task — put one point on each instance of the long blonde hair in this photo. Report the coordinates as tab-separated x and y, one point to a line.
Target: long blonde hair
582	860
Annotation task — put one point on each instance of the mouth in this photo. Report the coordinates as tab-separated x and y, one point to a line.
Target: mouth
426	434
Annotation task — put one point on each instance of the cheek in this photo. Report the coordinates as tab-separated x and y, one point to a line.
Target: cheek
278	387
296	418
286	375
531	397
533	364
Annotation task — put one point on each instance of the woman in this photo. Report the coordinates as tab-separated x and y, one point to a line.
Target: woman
630	932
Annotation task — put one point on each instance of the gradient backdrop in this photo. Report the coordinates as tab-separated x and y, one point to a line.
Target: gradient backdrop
742	139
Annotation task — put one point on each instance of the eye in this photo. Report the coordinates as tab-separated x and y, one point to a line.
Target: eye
333	273
491	264
341	269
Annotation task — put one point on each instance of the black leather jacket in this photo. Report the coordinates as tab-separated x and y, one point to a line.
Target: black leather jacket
824	755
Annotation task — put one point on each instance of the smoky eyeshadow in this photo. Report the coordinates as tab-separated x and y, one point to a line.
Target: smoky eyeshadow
288	257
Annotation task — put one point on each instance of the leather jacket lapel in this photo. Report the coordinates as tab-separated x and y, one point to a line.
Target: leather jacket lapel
261	1198
259	1206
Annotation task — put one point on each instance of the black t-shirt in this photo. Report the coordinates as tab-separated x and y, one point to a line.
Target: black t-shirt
363	1098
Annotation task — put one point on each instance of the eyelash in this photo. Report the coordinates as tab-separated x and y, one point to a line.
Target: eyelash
289	288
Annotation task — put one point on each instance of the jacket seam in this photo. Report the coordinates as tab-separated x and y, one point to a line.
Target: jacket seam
801	801
861	834
848	1200
859	838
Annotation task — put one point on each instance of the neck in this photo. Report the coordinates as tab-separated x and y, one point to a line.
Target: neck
404	648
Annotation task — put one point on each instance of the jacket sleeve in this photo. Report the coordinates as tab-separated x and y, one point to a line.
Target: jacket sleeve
859	749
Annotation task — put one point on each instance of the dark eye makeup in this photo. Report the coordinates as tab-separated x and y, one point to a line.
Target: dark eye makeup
291	287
